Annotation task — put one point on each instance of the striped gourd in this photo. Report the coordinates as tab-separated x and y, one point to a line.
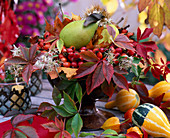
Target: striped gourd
125	100
160	88
152	119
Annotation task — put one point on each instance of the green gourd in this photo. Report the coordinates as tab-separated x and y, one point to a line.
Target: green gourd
75	34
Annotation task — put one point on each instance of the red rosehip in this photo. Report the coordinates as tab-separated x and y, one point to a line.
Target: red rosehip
130	34
95	50
46	46
66	64
99	55
69	50
102	49
119	50
64	49
46	34
116	55
73	48
124	31
60	56
74	64
63	59
76	55
115	61
83	48
130	52
71	54
112	49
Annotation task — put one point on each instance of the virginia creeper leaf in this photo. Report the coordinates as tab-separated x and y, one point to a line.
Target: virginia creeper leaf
89	56
108	89
108	71
56	95
165	104
16	60
68	125
20	118
85	69
120	81
51	127
77	124
142	4
97	78
25	52
156	19
32	51
85	134
59	123
44	106
62	111
78	92
27	72
69	103
146	33
8	134
49	28
19	134
133	134
29	131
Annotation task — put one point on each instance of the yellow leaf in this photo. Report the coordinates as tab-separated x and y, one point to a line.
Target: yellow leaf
112	123
167	3
111	5
158	55
142	4
75	17
143	27
167	15
156	19
70	72
142	17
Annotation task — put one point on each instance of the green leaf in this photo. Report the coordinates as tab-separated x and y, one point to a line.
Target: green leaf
110	131
68	126
106	37
62	111
56	95
136	60
60	44
20	134
109	136
49	113
121	136
134	70
71	90
78	90
77	124
69	103
139	69
84	134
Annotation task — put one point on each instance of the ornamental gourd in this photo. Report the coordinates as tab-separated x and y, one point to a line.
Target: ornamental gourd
125	100
160	88
152	119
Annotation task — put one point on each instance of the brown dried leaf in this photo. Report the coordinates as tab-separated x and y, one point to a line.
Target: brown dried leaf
167	15
156	19
49	28
70	72
167	3
53	74
143	4
58	25
75	17
158	55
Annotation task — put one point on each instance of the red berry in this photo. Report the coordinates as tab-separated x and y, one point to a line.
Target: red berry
69	50
95	50
46	46
64	49
73	48
71	54
99	55
46	34
115	61
130	52
123	54
81	62
116	55
60	56
119	50
83	48
63	59
76	55
81	58
66	64
124	31
102	49
112	49
130	34
128	115
74	64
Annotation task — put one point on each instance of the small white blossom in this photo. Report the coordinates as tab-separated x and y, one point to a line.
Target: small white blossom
16	51
126	63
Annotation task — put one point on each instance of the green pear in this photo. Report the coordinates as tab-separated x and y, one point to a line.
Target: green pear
75	34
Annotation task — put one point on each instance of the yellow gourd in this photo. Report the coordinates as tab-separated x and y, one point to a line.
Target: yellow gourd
125	100
160	88
152	119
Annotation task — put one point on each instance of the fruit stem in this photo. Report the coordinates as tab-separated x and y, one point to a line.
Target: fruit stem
120	20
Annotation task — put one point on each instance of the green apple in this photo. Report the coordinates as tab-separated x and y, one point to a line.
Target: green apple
75	34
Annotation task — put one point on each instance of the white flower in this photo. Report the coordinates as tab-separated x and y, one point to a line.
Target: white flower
16	51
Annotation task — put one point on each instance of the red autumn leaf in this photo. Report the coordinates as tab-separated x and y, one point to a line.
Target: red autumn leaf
120	81
107	71
159	99
141	50
44	106
155	73
20	118
108	89
123	41
16	60
88	82
58	25
147	69
146	33
25	52
32	51
133	134
27	72
66	134
165	104
138	34
85	69
150	44
111	31
59	124
120	71
50	28
97	78
89	56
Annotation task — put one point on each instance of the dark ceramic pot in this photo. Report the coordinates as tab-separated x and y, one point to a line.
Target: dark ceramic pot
93	118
